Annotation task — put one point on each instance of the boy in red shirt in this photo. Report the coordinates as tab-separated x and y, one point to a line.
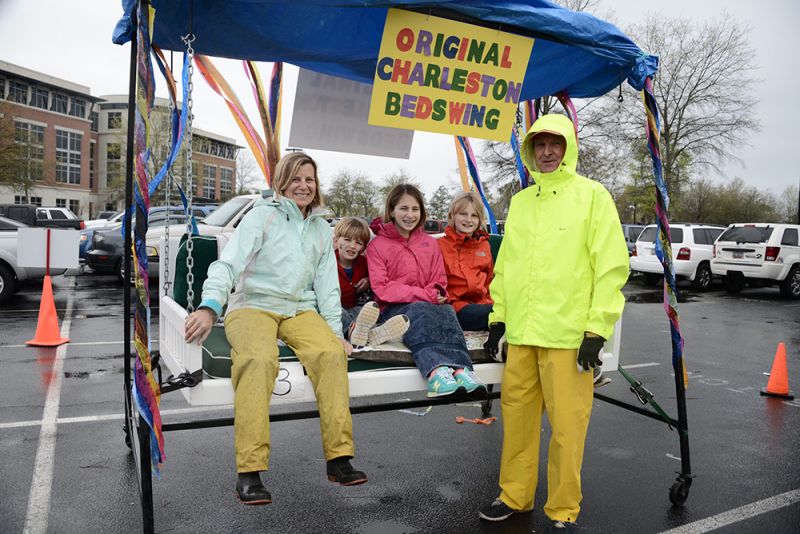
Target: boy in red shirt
359	313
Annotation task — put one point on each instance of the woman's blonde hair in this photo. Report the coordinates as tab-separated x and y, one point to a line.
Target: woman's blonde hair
462	199
288	167
393	199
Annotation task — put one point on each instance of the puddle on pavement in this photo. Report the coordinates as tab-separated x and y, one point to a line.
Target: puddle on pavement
657	297
386	527
84	374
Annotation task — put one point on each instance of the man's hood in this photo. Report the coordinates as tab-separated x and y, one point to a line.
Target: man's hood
557	125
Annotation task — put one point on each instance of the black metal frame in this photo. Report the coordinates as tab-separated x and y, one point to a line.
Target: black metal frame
140	446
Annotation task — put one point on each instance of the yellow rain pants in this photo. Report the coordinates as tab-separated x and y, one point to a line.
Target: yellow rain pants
252	335
537	379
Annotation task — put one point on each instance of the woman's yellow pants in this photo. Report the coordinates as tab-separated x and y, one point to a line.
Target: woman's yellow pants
253	336
537	379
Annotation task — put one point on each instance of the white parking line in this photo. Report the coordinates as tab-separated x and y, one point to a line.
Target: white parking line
42	483
738	514
113	416
81	343
637	365
104	308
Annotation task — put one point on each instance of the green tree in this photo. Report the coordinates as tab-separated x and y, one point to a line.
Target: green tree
339	197
439	203
20	167
366	198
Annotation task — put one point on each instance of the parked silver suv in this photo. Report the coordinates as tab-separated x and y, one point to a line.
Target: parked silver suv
692	249
759	254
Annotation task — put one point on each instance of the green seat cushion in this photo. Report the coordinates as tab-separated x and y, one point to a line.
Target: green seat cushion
204	253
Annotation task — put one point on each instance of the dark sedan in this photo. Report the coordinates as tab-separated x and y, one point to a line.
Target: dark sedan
105	254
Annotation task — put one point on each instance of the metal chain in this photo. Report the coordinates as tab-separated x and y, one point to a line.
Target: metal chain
188	39
167	189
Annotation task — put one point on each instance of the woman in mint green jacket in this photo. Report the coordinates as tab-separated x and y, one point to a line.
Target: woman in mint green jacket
557	294
281	265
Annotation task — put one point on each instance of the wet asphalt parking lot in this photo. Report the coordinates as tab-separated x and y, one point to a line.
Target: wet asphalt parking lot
65	467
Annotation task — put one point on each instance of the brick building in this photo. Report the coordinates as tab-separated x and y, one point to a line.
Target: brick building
75	145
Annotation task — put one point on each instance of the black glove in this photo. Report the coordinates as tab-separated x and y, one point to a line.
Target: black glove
589	353
492	345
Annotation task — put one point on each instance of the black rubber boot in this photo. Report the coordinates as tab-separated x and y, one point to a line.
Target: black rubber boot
340	470
250	490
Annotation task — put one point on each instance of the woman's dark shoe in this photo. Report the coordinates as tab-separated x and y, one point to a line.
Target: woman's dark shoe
250	490
340	470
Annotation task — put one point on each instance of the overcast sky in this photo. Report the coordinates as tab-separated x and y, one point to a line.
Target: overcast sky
72	41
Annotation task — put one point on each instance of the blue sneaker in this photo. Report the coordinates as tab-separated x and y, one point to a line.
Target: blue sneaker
467	379
442	383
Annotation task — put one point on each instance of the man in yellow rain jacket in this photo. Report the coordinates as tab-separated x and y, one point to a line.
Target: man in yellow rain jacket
557	294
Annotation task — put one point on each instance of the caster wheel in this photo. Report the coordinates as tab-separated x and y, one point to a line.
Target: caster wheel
678	493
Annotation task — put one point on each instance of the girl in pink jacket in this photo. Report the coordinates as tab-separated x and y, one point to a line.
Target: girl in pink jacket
407	275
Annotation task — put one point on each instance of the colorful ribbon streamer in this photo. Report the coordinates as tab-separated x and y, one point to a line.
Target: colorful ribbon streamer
663	245
146	392
215	80
472	164
569	107
267	110
462	166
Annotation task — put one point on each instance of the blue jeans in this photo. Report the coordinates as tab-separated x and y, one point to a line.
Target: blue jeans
474	316
434	337
348	316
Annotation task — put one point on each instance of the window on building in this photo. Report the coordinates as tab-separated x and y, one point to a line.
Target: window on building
41	97
60	203
114	120
31	137
75	206
225	182
19	199
59	103
68	157
2	87
209	179
36	201
113	162
93	118
92	148
18	92
77	107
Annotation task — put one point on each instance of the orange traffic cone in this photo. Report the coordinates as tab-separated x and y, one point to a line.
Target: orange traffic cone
47	332
778	385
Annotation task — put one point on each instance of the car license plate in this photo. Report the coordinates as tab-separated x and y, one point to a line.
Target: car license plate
738	255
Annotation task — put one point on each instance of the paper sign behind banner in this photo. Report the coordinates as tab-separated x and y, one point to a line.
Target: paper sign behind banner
438	75
330	113
32	248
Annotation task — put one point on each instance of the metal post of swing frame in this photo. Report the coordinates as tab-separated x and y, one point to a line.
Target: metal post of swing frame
683	426
135	432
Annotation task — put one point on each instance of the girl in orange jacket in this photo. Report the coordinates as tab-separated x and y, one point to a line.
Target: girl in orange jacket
468	261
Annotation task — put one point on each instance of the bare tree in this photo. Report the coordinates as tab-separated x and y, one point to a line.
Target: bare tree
352	193
704	89
400	176
248	176
787	207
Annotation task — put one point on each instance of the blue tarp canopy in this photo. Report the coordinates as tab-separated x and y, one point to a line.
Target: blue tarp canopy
574	52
